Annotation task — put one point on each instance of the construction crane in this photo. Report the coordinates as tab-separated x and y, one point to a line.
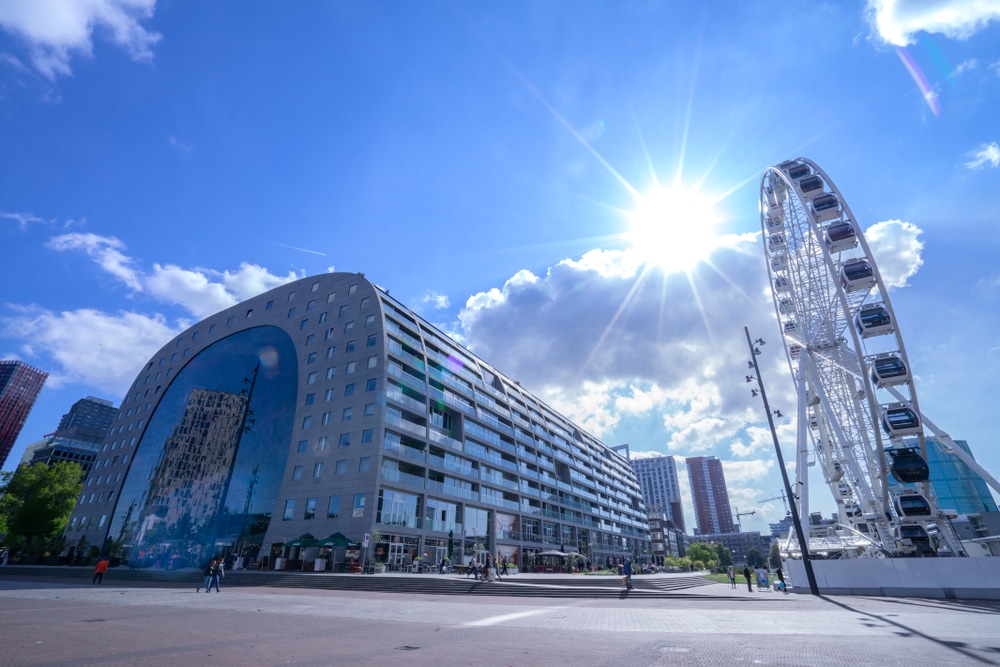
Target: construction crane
739	526
782	496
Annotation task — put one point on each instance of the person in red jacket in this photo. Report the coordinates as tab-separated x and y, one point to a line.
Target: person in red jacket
99	570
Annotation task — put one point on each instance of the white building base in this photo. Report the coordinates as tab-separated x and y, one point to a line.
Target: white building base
941	578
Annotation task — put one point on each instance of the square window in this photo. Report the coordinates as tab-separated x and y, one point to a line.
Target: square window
310	509
291	295
369	320
347	414
289	510
352	290
349	347
311	359
303	446
351	367
369	410
333	509
315	287
364	464
359	504
322	318
348	326
311	378
345	439
370	385
321	445
341	467
303	324
318	469
307	422
367	436
349	390
372	340
372	361
330	297
297	472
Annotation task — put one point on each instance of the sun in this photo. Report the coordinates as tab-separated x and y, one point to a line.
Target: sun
673	228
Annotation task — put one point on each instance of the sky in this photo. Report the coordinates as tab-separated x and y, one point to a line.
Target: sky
496	166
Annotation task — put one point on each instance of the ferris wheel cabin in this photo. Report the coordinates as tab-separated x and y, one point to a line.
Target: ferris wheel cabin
779	262
840	237
811	186
889	369
825	207
913	504
898	420
873	320
857	274
776	242
907	465
914	540
796	170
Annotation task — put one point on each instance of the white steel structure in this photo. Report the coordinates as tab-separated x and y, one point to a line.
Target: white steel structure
857	400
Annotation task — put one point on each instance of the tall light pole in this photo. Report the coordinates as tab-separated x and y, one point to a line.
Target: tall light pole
803	538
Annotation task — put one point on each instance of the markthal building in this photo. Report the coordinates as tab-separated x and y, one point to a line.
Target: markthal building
326	409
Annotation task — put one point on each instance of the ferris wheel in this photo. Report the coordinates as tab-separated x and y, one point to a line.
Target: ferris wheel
859	420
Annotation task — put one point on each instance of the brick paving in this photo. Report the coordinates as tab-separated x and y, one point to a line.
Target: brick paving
57	623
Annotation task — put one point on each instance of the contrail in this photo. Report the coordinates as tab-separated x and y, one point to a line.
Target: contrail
291	247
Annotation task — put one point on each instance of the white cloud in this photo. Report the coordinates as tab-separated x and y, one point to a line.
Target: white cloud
987	154
897	249
56	30
964	67
22	219
97	349
898	21
105	250
435	300
739	472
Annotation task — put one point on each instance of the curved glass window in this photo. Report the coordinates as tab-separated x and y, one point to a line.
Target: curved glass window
206	473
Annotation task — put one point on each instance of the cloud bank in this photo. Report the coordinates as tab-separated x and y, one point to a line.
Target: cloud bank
898	21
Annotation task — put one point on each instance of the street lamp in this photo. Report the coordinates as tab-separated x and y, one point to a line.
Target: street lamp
803	538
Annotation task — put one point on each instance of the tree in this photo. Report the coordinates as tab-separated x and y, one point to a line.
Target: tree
37	500
755	558
774	555
723	555
699	551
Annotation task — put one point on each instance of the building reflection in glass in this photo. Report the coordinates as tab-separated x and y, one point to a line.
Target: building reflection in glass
208	468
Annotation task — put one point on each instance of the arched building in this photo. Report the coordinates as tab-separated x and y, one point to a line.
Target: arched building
325	406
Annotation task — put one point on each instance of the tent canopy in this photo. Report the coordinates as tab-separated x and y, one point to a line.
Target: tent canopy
304	540
336	540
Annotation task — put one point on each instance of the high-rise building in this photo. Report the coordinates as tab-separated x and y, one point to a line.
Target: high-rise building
327	407
710	496
20	385
88	420
956	485
658	480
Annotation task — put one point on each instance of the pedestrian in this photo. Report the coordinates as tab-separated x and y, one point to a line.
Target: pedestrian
732	577
442	566
473	569
503	566
4	557
208	573
781	578
748	576
217	576
627	569
99	570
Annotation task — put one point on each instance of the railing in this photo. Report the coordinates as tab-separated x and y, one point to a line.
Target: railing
452	490
406	425
391	475
441	439
403	399
406	378
397	330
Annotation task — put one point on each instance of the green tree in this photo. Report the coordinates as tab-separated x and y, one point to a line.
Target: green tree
755	558
774	555
723	555
699	551
36	501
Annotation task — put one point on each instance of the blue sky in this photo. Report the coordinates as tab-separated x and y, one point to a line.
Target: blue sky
482	160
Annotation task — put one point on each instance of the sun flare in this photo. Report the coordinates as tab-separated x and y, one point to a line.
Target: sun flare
673	228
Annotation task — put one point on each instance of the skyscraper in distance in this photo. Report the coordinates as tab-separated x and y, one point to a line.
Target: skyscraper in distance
658	480
710	495
20	385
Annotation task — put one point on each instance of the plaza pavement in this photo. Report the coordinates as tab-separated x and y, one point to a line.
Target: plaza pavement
77	624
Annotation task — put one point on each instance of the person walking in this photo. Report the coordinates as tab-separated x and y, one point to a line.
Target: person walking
732	577
781	578
208	573
217	576
503	566
627	569
99	570
748	576
442	566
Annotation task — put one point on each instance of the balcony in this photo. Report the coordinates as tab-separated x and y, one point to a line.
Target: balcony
406	425
405	478
400	398
441	439
407	379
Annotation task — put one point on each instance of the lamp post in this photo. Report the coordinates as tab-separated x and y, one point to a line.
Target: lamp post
803	538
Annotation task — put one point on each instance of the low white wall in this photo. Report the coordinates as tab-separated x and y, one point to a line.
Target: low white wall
962	578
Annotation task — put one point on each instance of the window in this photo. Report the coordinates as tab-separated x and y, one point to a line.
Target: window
351	367
347	414
249	313
322	318
303	324
297	472
310	305
349	390
369	410
321	445
330	351
328	396
359	505
342	311
366	436
333	509
289	510
310	399
345	439
352	290
100	524
372	340
303	446
341	467
268	305
364	464
330	372
229	322
291	295
311	359
327	335
350	346
318	469
310	339
372	361
370	385
315	287
365	301
194	336
370	320
330	297
211	328
291	312
326	418
173	357
311	378
310	508
307	421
